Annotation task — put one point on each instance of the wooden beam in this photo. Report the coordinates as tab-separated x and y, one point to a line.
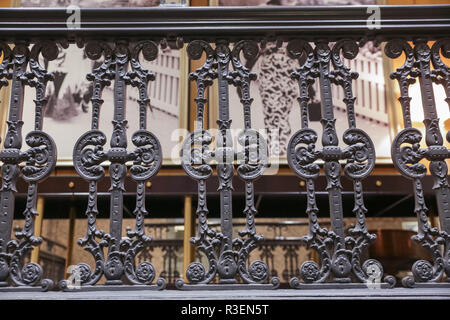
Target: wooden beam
38	228
69	252
5	3
199	3
189	231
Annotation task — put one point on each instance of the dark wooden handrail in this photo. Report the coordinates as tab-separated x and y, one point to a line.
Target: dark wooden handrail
242	22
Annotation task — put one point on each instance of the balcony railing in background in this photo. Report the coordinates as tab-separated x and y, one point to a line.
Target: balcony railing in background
281	253
321	39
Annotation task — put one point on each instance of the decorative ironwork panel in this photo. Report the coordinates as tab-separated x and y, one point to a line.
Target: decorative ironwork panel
407	153
22	66
28	39
227	257
339	253
118	265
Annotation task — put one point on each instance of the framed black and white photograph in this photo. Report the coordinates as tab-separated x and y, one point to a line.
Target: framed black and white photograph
276	111
69	95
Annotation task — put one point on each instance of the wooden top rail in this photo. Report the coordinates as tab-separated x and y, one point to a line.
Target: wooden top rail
252	22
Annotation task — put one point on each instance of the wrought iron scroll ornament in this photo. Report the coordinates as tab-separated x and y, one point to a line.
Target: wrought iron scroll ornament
89	154
39	159
227	257
339	254
407	153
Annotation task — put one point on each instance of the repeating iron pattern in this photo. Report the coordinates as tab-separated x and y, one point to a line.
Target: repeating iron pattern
339	254
89	154
407	153
22	66
227	257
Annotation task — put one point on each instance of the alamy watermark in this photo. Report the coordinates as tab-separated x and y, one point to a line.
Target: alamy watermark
374	20
74	19
374	274
74	280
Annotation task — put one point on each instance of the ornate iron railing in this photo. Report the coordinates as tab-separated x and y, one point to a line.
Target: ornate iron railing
317	37
406	151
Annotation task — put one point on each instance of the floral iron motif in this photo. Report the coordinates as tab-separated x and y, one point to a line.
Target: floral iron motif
407	154
39	159
89	155
227	257
339	254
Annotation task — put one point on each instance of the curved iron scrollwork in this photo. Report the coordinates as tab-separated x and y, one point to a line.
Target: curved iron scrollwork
39	159
227	257
339	254
407	153
89	154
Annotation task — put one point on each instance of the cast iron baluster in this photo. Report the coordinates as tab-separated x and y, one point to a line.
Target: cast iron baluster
301	160
40	160
253	161
87	163
441	75
227	257
360	155
406	158
146	158
340	264
195	158
227	266
10	153
118	155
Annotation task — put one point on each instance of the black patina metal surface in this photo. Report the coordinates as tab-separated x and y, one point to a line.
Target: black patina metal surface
39	159
339	254
89	154
227	257
215	22
224	36
407	152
